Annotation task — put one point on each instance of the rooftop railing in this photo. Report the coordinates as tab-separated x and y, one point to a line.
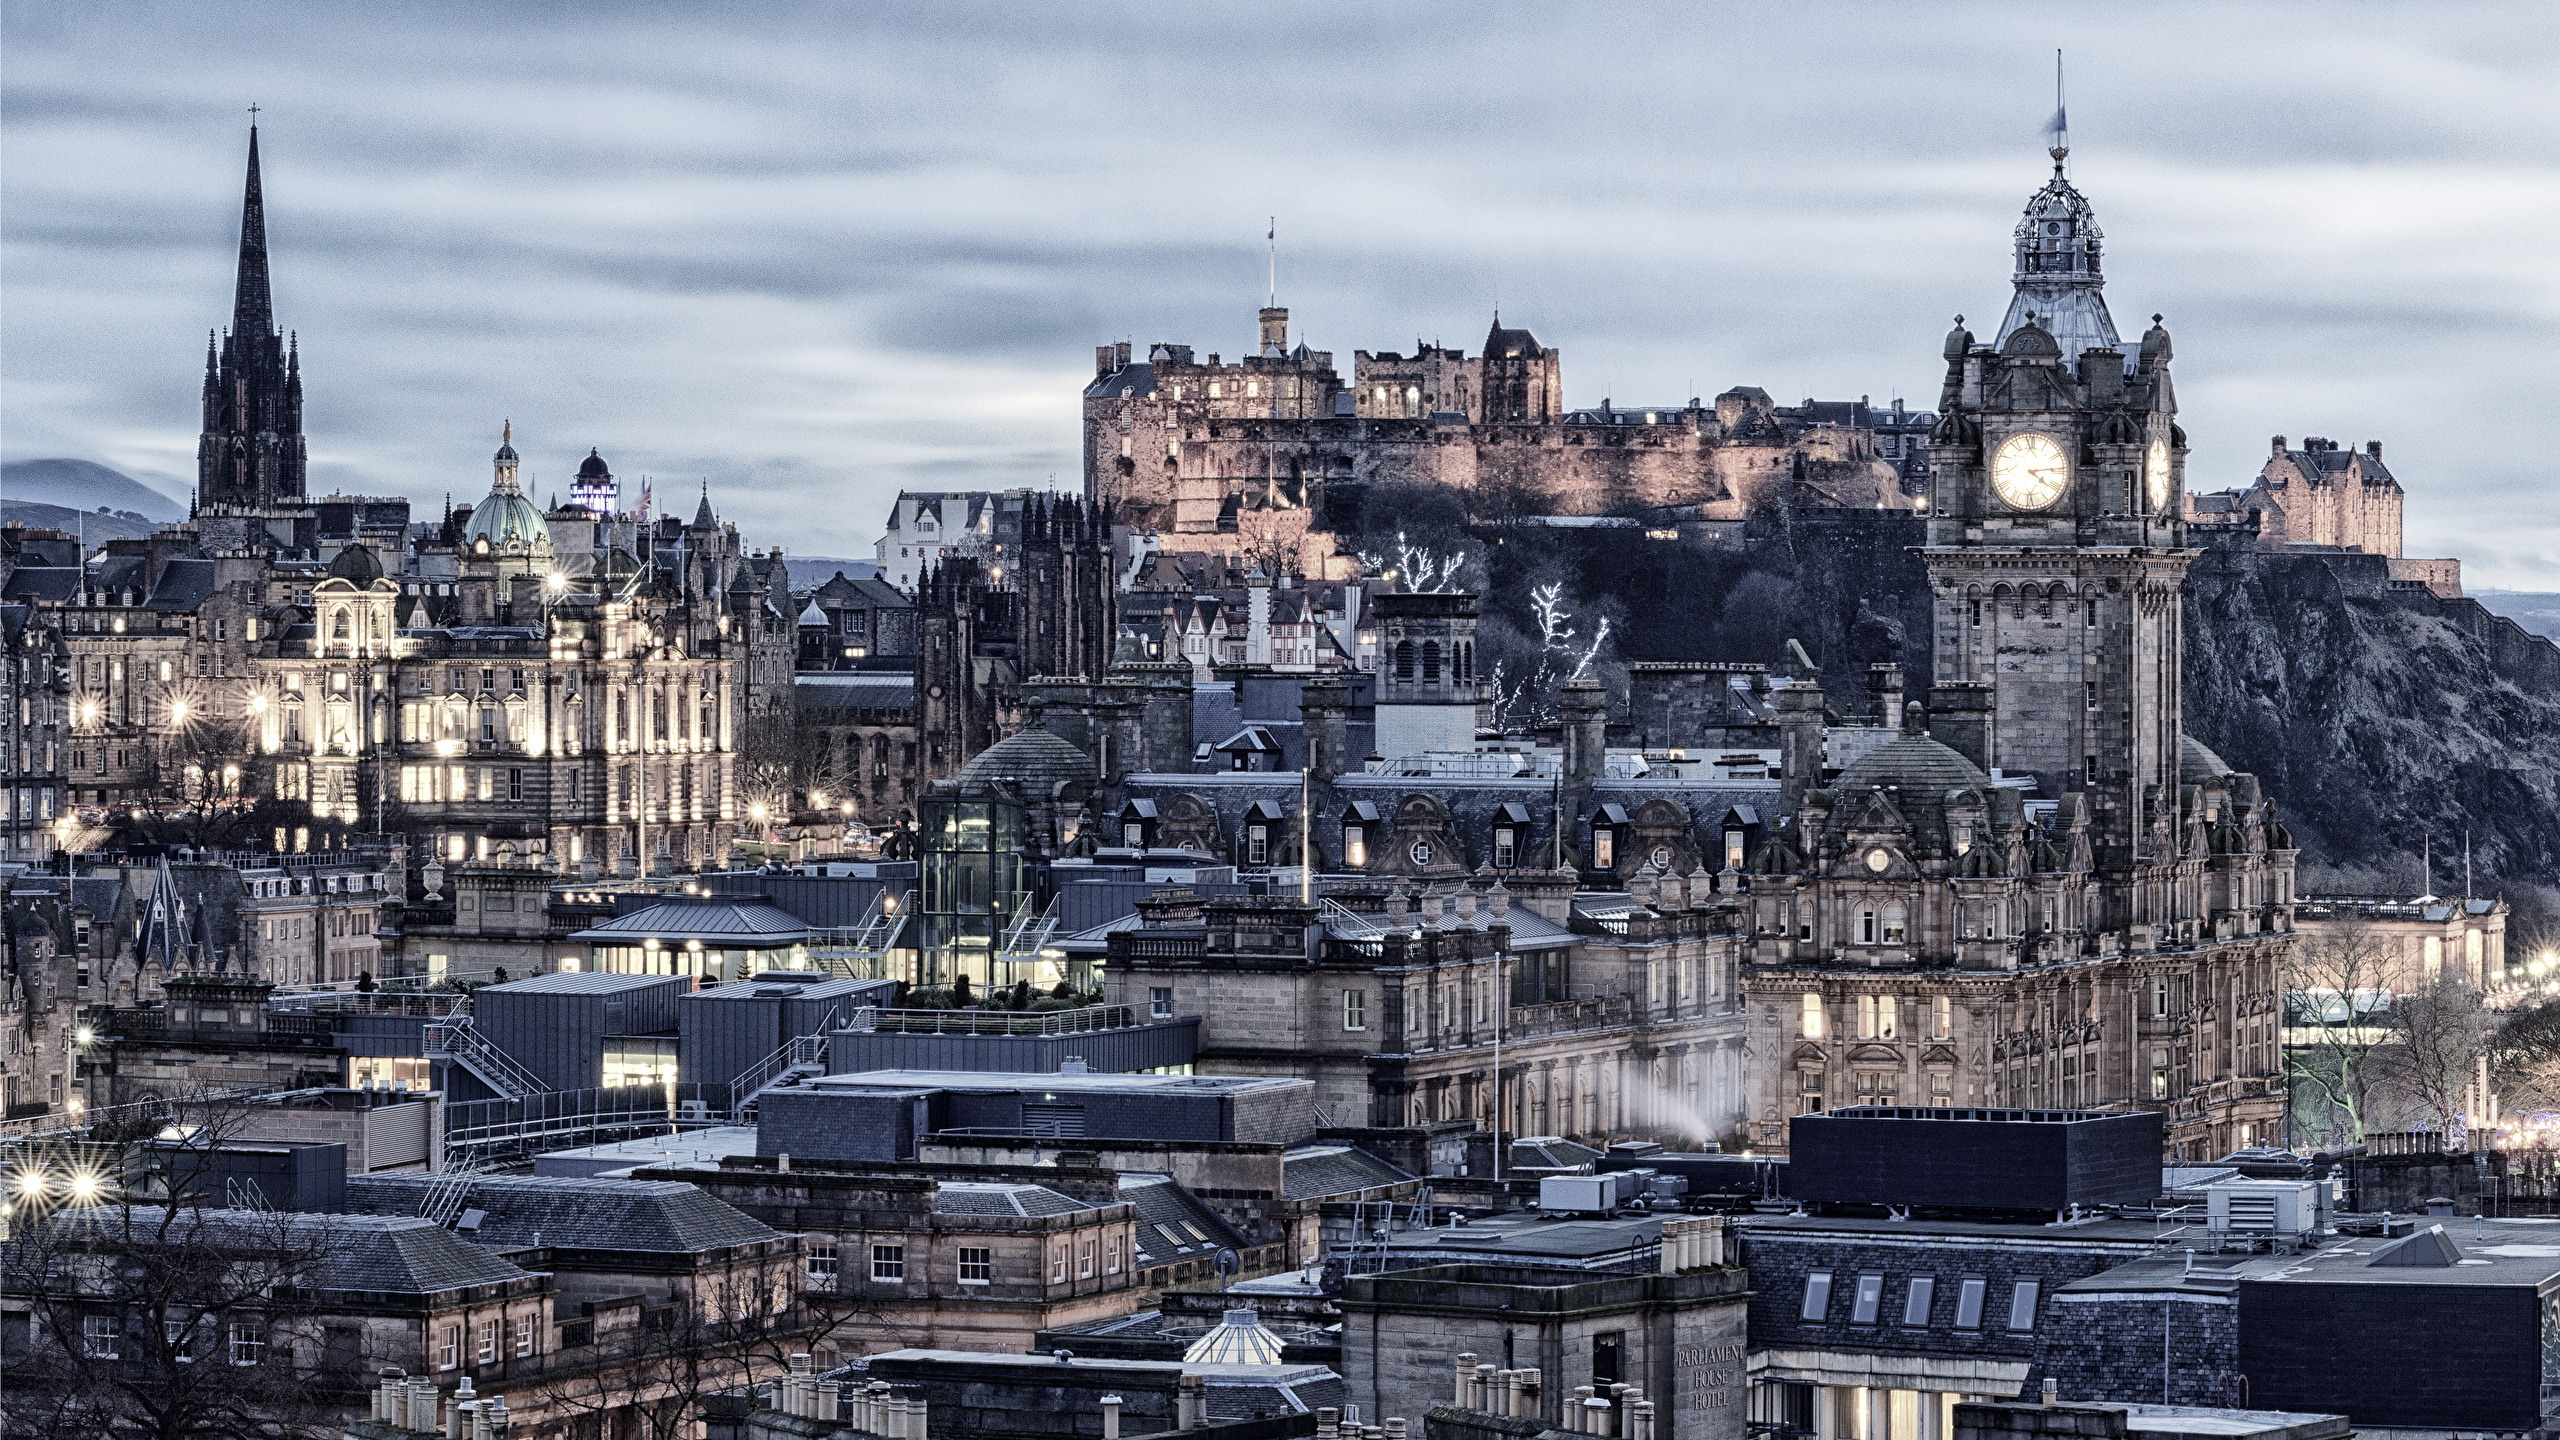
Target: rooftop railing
994	1022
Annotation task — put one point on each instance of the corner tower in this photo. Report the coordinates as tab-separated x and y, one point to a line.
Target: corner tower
2056	550
251	451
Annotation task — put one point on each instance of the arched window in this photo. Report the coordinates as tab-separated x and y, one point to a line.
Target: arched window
1896	924
1430	659
1404	659
879	756
338	626
1866	924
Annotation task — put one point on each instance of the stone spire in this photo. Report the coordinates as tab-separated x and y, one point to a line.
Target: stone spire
251	452
252	306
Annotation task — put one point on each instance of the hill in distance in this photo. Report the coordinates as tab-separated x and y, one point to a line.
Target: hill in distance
84	485
2537	611
92	527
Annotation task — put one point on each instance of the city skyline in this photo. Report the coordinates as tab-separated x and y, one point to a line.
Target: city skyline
816	262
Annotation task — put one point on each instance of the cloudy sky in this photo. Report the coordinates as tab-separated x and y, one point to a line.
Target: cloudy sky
817	253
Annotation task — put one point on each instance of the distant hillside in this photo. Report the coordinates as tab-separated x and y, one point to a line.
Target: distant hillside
2537	611
84	485
92	526
808	572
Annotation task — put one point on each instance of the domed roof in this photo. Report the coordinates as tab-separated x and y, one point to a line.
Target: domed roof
594	468
357	563
1917	764
506	519
1034	760
2196	764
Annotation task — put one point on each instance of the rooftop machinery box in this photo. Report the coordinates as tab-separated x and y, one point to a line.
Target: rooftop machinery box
1973	1159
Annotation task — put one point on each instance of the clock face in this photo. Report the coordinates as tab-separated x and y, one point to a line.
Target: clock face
2155	474
2030	471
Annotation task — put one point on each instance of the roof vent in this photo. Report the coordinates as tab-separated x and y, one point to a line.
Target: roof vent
469	1223
2430	1248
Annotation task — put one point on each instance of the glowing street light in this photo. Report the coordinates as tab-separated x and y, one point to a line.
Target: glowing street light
178	711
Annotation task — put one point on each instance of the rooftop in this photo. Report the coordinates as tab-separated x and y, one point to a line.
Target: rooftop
868	1080
2519	1252
523	1211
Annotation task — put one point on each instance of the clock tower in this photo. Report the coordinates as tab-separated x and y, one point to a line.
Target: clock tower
2056	547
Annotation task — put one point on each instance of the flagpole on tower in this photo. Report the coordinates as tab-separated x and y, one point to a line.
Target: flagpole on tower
2061	125
1274	238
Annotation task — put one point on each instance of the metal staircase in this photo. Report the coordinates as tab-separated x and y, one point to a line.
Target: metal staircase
1029	932
446	1191
454	1039
859	951
1361	927
802	1057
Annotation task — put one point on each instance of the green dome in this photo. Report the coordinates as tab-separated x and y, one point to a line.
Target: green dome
508	520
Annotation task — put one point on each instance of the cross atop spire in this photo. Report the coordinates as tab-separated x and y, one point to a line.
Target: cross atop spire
252	308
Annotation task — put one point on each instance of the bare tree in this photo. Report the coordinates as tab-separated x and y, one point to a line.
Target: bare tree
2438	1034
158	1304
1528	696
650	1372
1417	569
2337	1000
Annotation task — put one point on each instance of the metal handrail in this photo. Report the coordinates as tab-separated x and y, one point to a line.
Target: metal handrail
1360	926
1030	931
993	1022
454	1038
792	1054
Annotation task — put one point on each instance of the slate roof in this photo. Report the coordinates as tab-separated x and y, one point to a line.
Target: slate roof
892	689
1173	1223
968	1197
652	1216
1133	380
395	1254
1319	1170
50	584
184	585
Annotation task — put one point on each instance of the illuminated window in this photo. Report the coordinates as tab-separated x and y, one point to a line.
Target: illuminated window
1812	1015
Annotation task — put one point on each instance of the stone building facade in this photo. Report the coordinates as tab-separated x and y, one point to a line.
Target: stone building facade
2043	893
1248	455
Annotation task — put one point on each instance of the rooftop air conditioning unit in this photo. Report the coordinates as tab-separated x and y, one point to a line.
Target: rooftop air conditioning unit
1578	1194
2269	1209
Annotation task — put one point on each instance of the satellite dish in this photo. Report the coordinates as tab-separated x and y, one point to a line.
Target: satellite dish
1227	1262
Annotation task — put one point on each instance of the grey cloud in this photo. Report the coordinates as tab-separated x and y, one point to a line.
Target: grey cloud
818	253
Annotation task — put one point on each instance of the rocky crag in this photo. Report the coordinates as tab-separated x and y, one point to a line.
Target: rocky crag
2378	714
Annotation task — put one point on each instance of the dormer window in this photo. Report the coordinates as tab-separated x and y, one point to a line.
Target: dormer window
1505	847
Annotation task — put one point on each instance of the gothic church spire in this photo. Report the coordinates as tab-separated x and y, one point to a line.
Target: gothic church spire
251	452
252	307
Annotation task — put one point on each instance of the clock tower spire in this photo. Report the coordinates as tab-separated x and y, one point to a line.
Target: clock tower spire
2056	544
